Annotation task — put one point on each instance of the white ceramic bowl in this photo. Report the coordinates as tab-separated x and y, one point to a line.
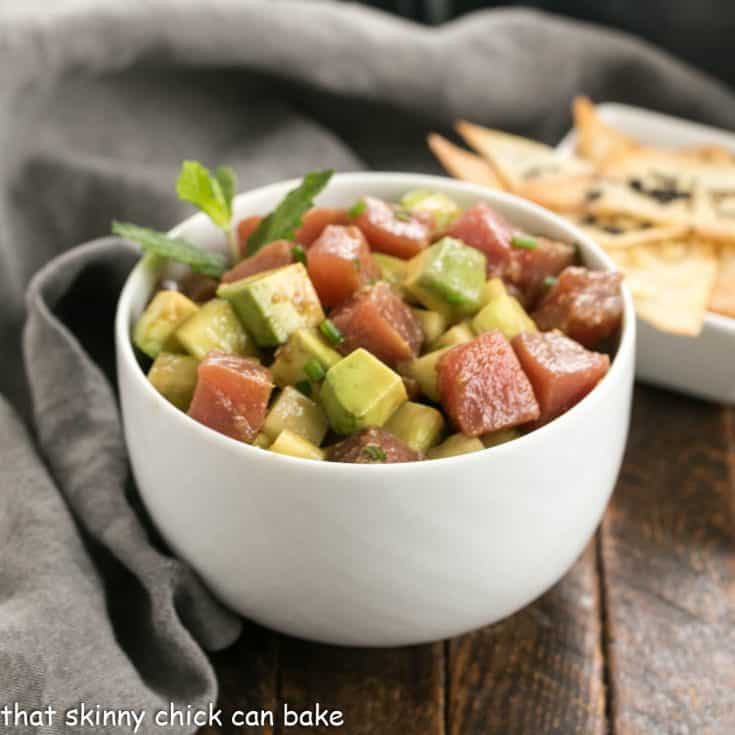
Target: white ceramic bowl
701	366
376	554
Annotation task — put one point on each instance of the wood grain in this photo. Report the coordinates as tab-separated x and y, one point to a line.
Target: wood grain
669	564
380	691
539	671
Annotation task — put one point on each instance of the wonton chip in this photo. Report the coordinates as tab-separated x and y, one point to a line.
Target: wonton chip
723	297
560	193
462	164
596	140
516	159
624	232
671	282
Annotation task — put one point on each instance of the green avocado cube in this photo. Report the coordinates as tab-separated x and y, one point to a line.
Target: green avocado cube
292	410
501	436
502	311
432	323
423	371
303	346
417	425
448	277
287	442
455	445
361	391
444	209
457	335
393	270
262	440
154	331
274	304
215	327
174	377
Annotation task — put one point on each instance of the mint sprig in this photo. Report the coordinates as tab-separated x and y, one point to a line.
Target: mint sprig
199	260
211	193
285	219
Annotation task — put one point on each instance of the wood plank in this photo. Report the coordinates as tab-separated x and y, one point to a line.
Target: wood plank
539	671
668	563
247	673
379	691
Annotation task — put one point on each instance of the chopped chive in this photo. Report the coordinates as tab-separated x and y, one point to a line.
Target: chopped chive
298	254
357	209
330	331
314	370
304	386
550	282
374	453
524	242
356	262
403	215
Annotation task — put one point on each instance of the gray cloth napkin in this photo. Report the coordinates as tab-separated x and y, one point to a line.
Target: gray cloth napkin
99	103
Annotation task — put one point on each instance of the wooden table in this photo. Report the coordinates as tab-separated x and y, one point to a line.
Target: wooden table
639	637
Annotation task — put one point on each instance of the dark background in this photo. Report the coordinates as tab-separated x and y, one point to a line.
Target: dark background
699	31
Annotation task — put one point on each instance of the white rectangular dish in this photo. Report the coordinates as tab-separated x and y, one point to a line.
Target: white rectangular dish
702	366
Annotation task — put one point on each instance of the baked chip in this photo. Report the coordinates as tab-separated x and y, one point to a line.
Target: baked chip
462	164
723	296
516	159
671	282
615	232
596	140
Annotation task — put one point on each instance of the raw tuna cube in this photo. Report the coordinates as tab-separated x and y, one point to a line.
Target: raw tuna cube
586	305
315	220
246	228
377	319
197	287
392	230
483	228
273	255
561	371
372	446
339	262
231	395
528	269
483	388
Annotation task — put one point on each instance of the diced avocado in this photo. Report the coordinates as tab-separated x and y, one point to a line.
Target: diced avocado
448	277
154	331
174	377
361	391
432	323
457	335
444	209
502	311
392	269
274	304
418	425
262	440
454	445
423	371
295	446
303	345
499	437
292	410
215	327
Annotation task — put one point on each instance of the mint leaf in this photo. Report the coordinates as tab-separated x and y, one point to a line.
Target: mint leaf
212	194
284	220
227	179
199	260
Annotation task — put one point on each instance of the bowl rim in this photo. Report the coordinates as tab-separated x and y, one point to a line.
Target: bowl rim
623	359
